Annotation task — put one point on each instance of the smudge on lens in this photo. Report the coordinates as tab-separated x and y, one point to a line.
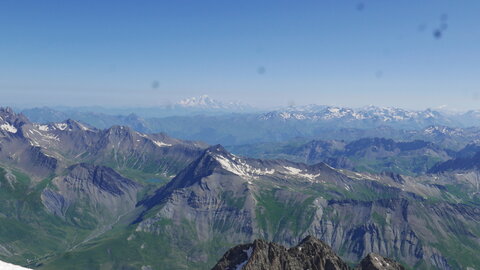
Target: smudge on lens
360	6
261	70
155	84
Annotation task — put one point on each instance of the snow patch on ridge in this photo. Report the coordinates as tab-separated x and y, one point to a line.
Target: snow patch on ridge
9	128
83	127
44	136
299	173
161	144
43	128
141	135
241	168
61	126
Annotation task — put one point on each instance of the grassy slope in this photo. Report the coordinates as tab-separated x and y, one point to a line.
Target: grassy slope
27	230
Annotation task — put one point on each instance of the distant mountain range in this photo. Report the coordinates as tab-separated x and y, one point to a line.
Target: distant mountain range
378	116
465	160
367	154
236	127
74	196
370	113
205	105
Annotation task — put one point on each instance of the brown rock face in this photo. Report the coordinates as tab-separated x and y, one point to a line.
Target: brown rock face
376	262
310	254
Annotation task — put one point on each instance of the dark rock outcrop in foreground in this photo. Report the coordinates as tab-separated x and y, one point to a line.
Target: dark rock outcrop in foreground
376	262
310	254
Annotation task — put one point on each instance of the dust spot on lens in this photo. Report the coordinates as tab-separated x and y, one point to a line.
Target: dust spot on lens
155	85
438	33
261	70
422	27
360	6
444	17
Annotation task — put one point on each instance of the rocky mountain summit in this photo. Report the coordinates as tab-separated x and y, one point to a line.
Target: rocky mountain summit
376	262
310	253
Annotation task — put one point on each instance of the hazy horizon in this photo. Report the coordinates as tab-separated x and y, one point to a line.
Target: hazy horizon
271	53
247	107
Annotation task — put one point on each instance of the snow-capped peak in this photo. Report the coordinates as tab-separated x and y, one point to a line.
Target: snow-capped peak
432	130
202	101
207	103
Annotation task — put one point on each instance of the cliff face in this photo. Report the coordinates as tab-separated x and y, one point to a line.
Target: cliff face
90	193
311	253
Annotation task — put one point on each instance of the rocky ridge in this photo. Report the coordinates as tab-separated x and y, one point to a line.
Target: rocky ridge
44	149
310	253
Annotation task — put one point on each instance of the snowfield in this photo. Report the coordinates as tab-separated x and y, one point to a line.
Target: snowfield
9	266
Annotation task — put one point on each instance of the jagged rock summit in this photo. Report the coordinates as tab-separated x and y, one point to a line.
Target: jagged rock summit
376	262
311	254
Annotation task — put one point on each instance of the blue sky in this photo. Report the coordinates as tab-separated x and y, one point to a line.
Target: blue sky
262	52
